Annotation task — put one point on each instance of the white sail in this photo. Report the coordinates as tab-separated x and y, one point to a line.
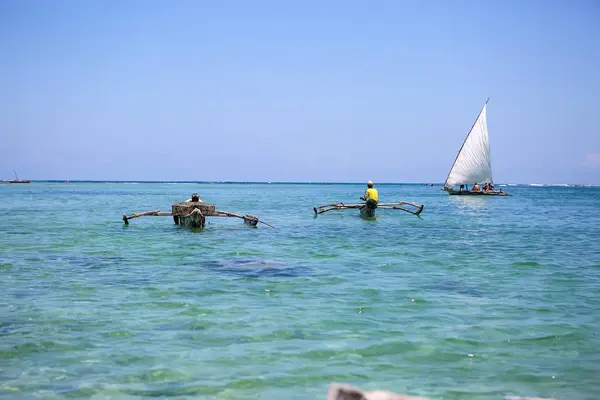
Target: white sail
474	162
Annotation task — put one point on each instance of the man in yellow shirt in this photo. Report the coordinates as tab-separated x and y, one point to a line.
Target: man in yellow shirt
371	196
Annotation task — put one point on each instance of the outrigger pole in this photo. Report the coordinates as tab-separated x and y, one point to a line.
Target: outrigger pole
249	219
392	206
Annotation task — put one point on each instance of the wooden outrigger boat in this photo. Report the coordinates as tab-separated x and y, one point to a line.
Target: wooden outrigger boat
473	163
193	213
367	209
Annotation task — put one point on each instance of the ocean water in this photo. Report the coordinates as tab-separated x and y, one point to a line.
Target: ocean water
479	299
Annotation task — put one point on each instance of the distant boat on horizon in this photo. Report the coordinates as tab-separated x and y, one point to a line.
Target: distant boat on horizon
18	180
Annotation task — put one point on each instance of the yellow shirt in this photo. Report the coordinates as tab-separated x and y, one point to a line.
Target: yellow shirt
371	193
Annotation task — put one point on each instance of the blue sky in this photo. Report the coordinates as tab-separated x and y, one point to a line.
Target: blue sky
297	90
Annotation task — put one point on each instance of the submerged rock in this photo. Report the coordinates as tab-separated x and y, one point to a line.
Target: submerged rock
342	391
525	398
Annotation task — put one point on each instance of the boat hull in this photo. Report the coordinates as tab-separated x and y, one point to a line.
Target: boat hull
469	193
192	214
368	210
194	220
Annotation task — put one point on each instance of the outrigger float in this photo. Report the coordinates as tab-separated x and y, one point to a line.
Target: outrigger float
367	209
193	213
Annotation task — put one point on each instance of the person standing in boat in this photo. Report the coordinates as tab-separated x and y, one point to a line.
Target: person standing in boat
371	195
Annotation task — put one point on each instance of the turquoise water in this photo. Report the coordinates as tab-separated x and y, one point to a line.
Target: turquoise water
480	298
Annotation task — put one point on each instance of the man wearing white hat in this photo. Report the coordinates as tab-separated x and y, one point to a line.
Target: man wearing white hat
371	194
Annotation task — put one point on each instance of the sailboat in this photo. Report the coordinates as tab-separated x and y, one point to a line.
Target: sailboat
17	180
473	163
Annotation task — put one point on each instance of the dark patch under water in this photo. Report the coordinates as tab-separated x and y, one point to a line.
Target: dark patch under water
86	261
253	268
457	287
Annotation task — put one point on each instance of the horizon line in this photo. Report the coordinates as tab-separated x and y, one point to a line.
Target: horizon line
277	182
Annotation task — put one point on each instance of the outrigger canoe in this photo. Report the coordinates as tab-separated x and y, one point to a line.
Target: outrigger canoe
193	213
367	209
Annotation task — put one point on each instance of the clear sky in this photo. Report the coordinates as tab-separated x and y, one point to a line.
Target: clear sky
297	90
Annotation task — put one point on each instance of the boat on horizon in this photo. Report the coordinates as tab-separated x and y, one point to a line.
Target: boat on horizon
18	180
473	163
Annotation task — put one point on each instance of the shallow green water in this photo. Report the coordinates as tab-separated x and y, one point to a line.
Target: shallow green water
90	308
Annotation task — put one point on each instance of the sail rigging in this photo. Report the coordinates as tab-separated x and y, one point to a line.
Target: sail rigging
473	164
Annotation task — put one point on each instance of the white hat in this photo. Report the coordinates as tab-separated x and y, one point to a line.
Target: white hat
370	183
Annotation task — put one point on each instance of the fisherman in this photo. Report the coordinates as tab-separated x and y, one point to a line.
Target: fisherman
475	188
195	198
371	196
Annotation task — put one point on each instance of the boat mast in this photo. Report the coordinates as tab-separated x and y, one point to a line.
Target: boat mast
463	144
16	176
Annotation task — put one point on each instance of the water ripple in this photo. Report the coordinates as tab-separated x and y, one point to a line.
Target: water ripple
479	299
